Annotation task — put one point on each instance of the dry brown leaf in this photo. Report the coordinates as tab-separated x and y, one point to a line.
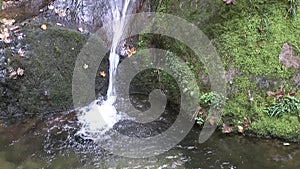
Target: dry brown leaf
212	120
131	51
102	74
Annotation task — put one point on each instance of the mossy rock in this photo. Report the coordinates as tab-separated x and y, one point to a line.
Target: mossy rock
46	85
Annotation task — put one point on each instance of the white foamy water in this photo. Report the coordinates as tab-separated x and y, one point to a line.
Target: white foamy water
97	118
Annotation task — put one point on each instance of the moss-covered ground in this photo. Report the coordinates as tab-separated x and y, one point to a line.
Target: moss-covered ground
248	36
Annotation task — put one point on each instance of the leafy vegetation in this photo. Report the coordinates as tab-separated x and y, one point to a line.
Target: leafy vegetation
293	6
208	100
212	99
248	36
288	104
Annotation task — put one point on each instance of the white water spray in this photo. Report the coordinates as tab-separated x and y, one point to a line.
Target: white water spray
97	119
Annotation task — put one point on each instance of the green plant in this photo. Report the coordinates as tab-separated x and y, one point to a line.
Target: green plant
213	100
199	120
287	104
293	6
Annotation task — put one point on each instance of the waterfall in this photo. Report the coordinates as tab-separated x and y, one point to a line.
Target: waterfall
96	119
118	31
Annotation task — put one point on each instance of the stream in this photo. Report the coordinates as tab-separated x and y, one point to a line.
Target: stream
78	139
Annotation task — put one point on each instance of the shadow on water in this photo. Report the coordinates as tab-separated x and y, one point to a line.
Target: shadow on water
50	142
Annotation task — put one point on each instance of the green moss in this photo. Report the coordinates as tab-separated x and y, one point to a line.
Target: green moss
287	127
47	81
248	36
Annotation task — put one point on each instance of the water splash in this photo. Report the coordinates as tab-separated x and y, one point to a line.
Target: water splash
101	115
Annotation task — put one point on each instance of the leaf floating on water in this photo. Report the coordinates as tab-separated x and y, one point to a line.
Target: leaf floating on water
20	72
131	51
85	66
102	74
44	27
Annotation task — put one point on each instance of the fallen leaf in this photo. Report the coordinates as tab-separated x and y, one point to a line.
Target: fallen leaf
212	120
286	144
21	52
20	72
44	27
60	12
102	74
131	51
246	123
5	36
240	129
226	129
8	22
279	93
12	75
85	66
80	29
50	7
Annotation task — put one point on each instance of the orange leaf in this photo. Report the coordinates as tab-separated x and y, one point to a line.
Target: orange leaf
131	51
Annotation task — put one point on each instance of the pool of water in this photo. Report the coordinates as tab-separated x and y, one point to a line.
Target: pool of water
51	143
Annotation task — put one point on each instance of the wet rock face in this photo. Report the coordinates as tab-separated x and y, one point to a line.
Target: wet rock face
46	84
22	10
83	15
47	57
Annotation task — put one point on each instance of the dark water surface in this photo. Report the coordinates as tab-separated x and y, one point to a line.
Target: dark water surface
49	142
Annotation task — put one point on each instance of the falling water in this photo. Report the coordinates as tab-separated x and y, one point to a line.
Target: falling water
118	31
97	119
